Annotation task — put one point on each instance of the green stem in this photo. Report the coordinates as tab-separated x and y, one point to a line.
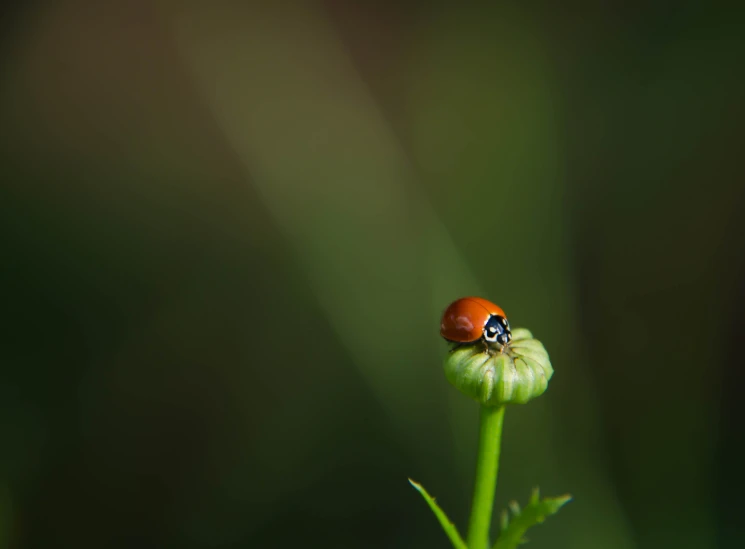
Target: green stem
487	466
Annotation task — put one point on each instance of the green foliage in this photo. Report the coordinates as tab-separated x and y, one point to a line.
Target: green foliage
513	528
513	523
447	525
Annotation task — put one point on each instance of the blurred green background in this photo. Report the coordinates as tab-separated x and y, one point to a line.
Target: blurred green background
229	231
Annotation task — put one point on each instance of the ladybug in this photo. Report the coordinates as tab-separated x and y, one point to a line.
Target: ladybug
473	319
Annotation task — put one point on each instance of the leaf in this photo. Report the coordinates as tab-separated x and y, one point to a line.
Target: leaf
535	512
449	527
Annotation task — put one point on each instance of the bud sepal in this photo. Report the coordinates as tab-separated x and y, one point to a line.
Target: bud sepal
496	375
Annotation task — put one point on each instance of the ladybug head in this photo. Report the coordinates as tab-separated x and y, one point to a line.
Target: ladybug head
497	330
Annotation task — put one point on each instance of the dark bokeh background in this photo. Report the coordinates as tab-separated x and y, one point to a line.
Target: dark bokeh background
228	233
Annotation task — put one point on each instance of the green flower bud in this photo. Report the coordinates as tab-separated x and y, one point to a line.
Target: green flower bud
512	374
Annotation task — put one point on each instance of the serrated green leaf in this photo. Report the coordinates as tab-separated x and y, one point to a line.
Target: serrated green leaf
535	497
447	525
504	520
533	513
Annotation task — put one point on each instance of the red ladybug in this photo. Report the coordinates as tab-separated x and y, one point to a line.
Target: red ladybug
471	319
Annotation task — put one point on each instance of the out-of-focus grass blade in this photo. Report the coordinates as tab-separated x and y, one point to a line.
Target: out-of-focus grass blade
362	232
535	512
447	525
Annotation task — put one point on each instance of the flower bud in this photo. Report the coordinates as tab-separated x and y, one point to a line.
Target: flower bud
512	374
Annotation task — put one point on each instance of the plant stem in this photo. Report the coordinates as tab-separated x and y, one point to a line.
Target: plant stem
487	466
